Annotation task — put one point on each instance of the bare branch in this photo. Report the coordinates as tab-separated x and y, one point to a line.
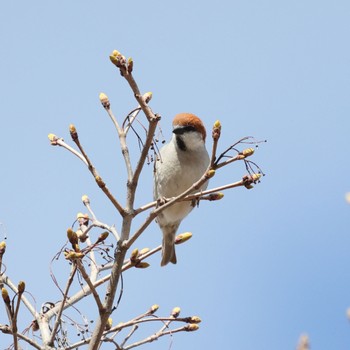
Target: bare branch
91	286
62	304
7	330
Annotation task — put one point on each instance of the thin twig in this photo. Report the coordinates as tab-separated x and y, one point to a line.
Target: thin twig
7	330
62	304
97	177
6	280
63	144
123	145
91	286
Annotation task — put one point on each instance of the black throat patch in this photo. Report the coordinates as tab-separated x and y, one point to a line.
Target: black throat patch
180	143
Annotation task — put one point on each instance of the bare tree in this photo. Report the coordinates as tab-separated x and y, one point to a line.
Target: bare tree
101	261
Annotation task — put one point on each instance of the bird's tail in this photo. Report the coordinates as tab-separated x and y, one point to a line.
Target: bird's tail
168	246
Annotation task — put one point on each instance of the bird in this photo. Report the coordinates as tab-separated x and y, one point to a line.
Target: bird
180	163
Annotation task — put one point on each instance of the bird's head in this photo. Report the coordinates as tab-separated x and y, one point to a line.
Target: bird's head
189	131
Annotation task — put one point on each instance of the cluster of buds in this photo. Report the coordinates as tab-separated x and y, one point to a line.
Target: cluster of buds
246	153
248	180
136	258
73	239
216	130
125	65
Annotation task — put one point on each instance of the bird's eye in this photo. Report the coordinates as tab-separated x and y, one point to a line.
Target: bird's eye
182	129
189	128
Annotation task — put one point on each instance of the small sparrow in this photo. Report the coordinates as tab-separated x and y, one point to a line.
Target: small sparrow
181	163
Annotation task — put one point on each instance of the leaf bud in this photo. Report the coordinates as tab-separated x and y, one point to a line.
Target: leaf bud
2	248
100	182
85	199
247	152
144	251
210	174
103	236
115	58
154	308
21	287
134	255
256	177
5	295
72	255
192	327
147	97
142	265
109	324
73	132
104	100
217	125
130	64
195	319
72	236
215	196
175	312
183	237
53	139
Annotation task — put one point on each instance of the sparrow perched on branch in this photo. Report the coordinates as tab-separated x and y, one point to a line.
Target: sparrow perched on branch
181	163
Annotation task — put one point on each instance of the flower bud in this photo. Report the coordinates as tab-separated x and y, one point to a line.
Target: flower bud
109	324
144	251
256	177
104	100
183	237
142	265
210	173
192	327
2	248
134	255
5	295
103	236
195	319
115	58
72	255
85	199
72	236
175	312
217	125
100	182
147	96
215	196
53	139
73	132
130	65
154	308
247	152
21	287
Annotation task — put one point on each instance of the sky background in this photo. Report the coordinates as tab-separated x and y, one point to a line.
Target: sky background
264	266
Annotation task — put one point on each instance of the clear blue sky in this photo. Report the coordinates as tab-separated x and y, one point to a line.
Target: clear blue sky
264	265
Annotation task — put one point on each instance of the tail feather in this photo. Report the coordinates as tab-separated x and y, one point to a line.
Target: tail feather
168	245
